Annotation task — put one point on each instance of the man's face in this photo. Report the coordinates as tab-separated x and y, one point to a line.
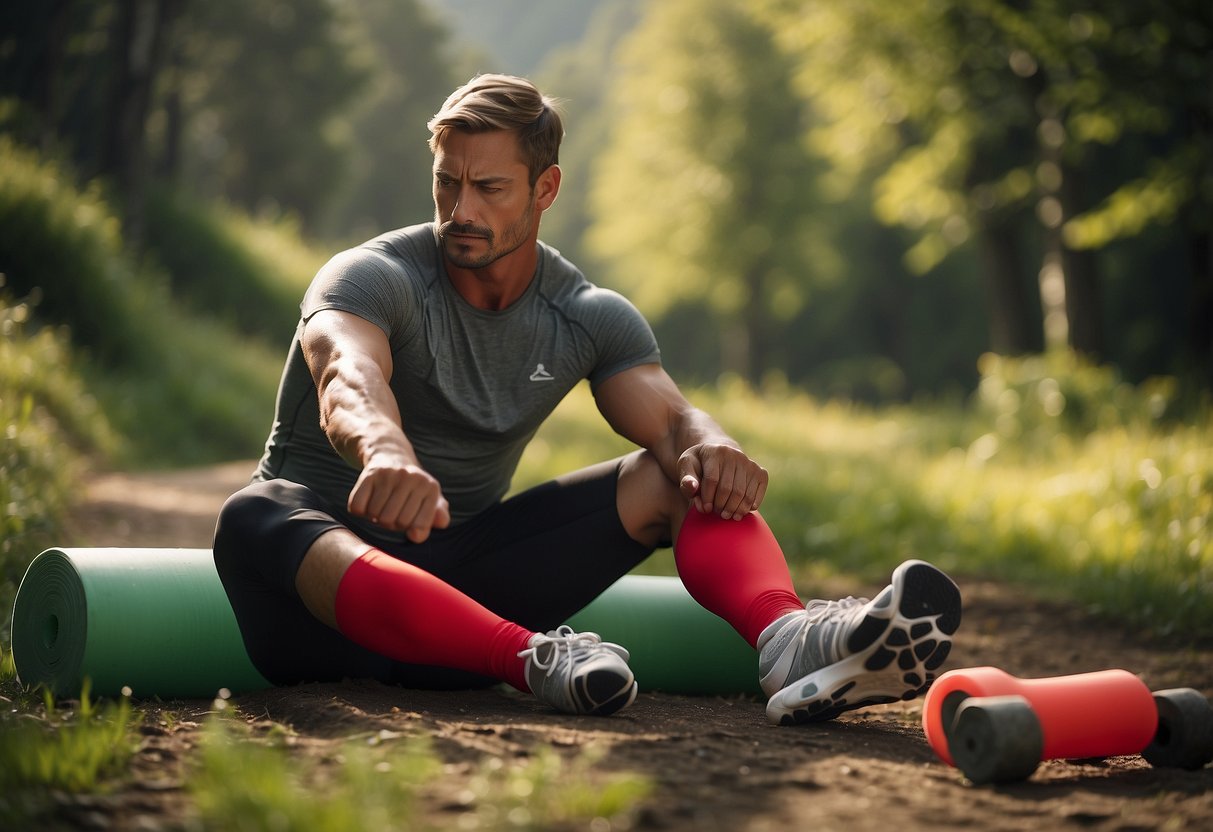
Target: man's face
484	206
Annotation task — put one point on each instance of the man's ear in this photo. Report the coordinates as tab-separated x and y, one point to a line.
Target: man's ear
547	186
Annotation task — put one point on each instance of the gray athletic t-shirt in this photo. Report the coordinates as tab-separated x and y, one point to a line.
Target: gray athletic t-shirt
473	386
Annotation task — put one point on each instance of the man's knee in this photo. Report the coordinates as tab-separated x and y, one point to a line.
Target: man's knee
242	519
649	503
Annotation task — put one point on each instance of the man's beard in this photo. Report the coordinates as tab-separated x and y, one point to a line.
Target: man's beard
513	237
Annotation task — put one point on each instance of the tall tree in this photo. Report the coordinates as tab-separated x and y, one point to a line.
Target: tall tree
265	86
138	37
701	191
992	121
411	72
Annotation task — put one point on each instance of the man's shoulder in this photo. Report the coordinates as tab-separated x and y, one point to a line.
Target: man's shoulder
414	245
566	285
405	254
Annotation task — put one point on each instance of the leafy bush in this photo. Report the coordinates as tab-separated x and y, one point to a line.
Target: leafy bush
62	249
1118	517
50	424
60	751
182	389
1060	391
225	265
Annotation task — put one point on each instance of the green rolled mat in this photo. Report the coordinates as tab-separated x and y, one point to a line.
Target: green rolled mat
154	620
158	621
676	645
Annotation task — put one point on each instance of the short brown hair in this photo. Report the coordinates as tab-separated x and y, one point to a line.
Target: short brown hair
504	102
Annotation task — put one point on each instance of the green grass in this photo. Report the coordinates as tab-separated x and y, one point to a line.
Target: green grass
379	782
51	423
247	785
1114	509
78	751
224	265
183	382
1056	476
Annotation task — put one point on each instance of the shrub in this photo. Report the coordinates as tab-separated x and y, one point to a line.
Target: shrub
223	264
62	248
50	424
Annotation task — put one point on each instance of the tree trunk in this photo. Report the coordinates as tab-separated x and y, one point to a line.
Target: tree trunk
138	35
1199	348
50	73
169	165
1011	322
1084	295
757	323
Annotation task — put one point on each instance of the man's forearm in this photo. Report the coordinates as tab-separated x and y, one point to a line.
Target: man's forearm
359	415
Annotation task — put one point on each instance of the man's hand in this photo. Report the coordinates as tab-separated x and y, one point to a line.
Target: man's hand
402	497
721	479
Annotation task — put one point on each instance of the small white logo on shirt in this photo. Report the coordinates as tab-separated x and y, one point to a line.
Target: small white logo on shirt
541	374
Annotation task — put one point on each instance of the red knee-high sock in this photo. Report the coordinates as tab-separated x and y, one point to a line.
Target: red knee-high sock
736	569
407	614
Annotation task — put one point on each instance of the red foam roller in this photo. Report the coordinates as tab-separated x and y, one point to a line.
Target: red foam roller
1103	714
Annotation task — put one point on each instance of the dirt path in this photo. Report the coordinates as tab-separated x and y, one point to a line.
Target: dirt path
716	763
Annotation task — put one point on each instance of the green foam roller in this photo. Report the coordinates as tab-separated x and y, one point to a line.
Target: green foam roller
676	645
156	621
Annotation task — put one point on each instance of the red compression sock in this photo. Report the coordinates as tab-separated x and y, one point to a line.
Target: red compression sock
736	569
407	614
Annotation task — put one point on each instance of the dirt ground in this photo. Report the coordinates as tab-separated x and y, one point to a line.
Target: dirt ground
716	762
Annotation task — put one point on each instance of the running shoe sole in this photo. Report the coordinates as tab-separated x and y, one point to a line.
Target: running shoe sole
904	637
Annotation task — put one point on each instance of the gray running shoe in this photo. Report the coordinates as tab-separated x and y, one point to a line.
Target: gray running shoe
579	673
835	656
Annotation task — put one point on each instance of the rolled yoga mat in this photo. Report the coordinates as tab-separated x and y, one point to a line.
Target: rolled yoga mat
158	621
675	644
154	620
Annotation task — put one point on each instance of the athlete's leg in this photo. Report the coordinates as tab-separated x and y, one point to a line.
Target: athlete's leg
384	607
402	611
264	533
734	568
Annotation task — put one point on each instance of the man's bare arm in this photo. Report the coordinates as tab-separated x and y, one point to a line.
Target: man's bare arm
351	361
645	405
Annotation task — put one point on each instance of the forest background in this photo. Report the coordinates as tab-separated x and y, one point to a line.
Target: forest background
998	210
864	197
944	267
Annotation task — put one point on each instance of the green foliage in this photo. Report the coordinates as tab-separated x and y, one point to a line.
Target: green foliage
545	790
377	781
1035	398
72	751
180	388
62	248
244	785
705	191
1096	497
267	126
228	266
50	421
390	175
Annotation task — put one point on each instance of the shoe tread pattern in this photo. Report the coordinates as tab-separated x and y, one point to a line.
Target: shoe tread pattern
904	651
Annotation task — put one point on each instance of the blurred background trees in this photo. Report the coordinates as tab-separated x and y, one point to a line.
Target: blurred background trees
859	197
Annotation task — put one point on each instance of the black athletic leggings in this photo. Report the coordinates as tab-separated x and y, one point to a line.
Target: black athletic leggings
535	559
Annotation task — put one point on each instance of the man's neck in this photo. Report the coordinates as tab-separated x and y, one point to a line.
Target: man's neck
498	284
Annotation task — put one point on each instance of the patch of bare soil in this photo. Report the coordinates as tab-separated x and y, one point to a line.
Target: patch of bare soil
716	762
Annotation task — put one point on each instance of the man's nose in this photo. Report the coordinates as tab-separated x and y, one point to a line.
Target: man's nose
466	209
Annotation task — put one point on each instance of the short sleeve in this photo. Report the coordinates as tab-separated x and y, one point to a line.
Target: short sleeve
365	283
622	337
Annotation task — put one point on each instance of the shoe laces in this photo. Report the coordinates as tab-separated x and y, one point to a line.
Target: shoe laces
819	610
575	645
830	622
